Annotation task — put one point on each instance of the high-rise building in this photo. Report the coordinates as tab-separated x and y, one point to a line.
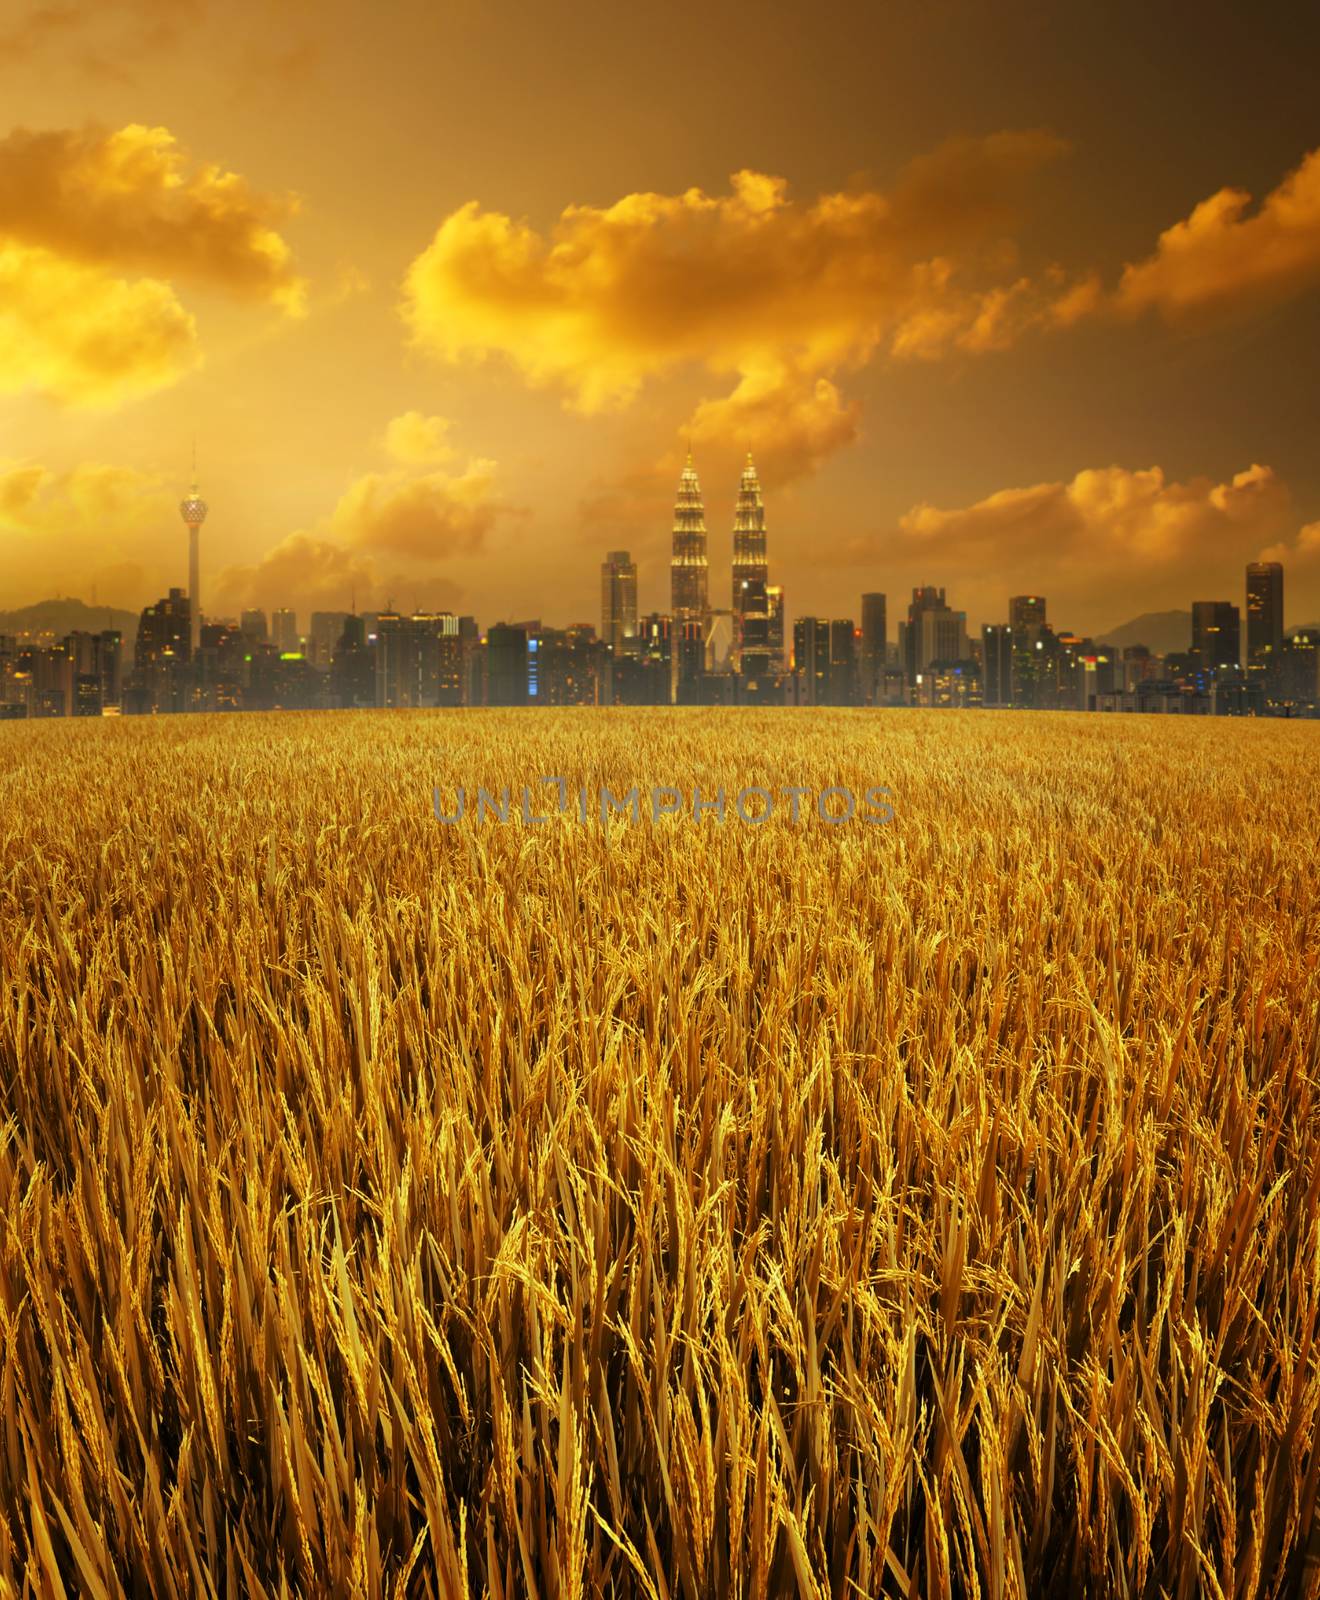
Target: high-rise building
811	660
843	662
164	630
284	630
389	646
943	637
688	572
507	681
925	598
824	661
618	602
161	656
774	599
874	643
569	666
1264	613
352	672
997	650
1299	674
933	632
1034	649
418	659
688	648
192	508
327	628
1216	633
749	559
253	624
754	622
655	635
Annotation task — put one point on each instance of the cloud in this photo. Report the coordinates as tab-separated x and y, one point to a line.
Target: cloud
417	440
430	517
1107	516
128	200
737	282
790	423
775	292
1222	258
635	506
1303	553
94	499
1108	541
304	570
98	516
95	227
417	518
314	573
84	336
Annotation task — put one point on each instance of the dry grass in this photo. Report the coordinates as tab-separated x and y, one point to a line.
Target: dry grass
392	1209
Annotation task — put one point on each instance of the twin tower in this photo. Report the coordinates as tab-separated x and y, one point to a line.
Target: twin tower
756	611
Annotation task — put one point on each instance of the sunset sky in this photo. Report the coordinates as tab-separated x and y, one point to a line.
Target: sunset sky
1002	296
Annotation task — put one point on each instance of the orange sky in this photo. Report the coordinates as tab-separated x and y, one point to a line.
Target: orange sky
1004	298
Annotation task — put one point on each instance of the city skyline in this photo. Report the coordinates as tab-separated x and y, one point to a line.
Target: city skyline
435	337
182	661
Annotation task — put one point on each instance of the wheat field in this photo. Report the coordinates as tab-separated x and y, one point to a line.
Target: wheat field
675	1209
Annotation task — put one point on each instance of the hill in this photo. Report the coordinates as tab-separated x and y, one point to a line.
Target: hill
1160	631
65	616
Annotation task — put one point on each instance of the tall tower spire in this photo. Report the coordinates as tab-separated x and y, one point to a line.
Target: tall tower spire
687	566
192	508
751	572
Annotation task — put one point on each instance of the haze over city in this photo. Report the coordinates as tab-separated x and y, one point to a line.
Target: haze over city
444	295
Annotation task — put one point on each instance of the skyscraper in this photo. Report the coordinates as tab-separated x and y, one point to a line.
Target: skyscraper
1216	633
824	661
1264	613
324	635
749	563
843	662
943	636
874	644
925	598
284	629
1033	650
997	649
192	508
618	602
352	668
811	660
774	599
507	679
687	568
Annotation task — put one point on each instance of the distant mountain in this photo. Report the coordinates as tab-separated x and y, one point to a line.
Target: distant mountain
67	616
1162	632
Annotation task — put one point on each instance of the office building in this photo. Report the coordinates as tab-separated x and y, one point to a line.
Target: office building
997	663
874	645
1264	617
1216	633
618	602
284	630
507	681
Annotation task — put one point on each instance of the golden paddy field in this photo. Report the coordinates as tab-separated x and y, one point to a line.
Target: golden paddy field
678	1210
